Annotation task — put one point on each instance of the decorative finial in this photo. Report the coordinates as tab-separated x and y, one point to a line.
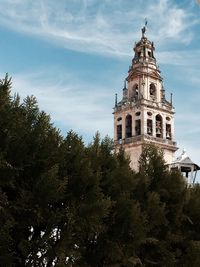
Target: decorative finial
163	92
184	154
144	29
115	100
171	100
125	84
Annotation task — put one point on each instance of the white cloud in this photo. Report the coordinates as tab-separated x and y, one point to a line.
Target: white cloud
103	27
180	58
71	107
171	22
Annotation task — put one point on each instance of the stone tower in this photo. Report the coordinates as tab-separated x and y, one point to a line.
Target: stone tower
144	115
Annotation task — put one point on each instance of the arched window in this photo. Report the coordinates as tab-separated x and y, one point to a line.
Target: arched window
152	91
149	54
119	132
128	126
149	127
159	130
135	92
168	131
138	127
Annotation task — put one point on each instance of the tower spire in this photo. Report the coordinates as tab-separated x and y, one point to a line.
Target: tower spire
115	100
125	84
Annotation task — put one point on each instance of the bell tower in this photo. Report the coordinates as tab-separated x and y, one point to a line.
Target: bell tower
144	115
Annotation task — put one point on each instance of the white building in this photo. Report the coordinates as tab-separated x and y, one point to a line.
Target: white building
186	166
144	114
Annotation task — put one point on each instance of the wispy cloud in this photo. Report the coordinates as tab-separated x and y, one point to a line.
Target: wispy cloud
103	27
70	107
171	22
180	58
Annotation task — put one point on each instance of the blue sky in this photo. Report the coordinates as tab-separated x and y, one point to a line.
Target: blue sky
73	55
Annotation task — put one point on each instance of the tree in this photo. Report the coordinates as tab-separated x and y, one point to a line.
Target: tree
163	195
29	150
63	203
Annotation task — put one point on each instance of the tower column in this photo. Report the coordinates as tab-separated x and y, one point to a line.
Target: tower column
154	125
123	127
115	131
133	126
145	123
164	127
172	130
142	124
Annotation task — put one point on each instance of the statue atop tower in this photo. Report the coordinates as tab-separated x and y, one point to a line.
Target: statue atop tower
144	114
144	28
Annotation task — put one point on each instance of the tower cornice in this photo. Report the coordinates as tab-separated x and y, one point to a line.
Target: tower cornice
138	73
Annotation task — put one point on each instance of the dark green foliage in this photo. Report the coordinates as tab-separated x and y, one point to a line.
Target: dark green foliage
162	195
29	181
66	204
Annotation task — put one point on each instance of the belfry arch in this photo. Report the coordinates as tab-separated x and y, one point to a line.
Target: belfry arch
152	90
159	126
128	122
135	92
